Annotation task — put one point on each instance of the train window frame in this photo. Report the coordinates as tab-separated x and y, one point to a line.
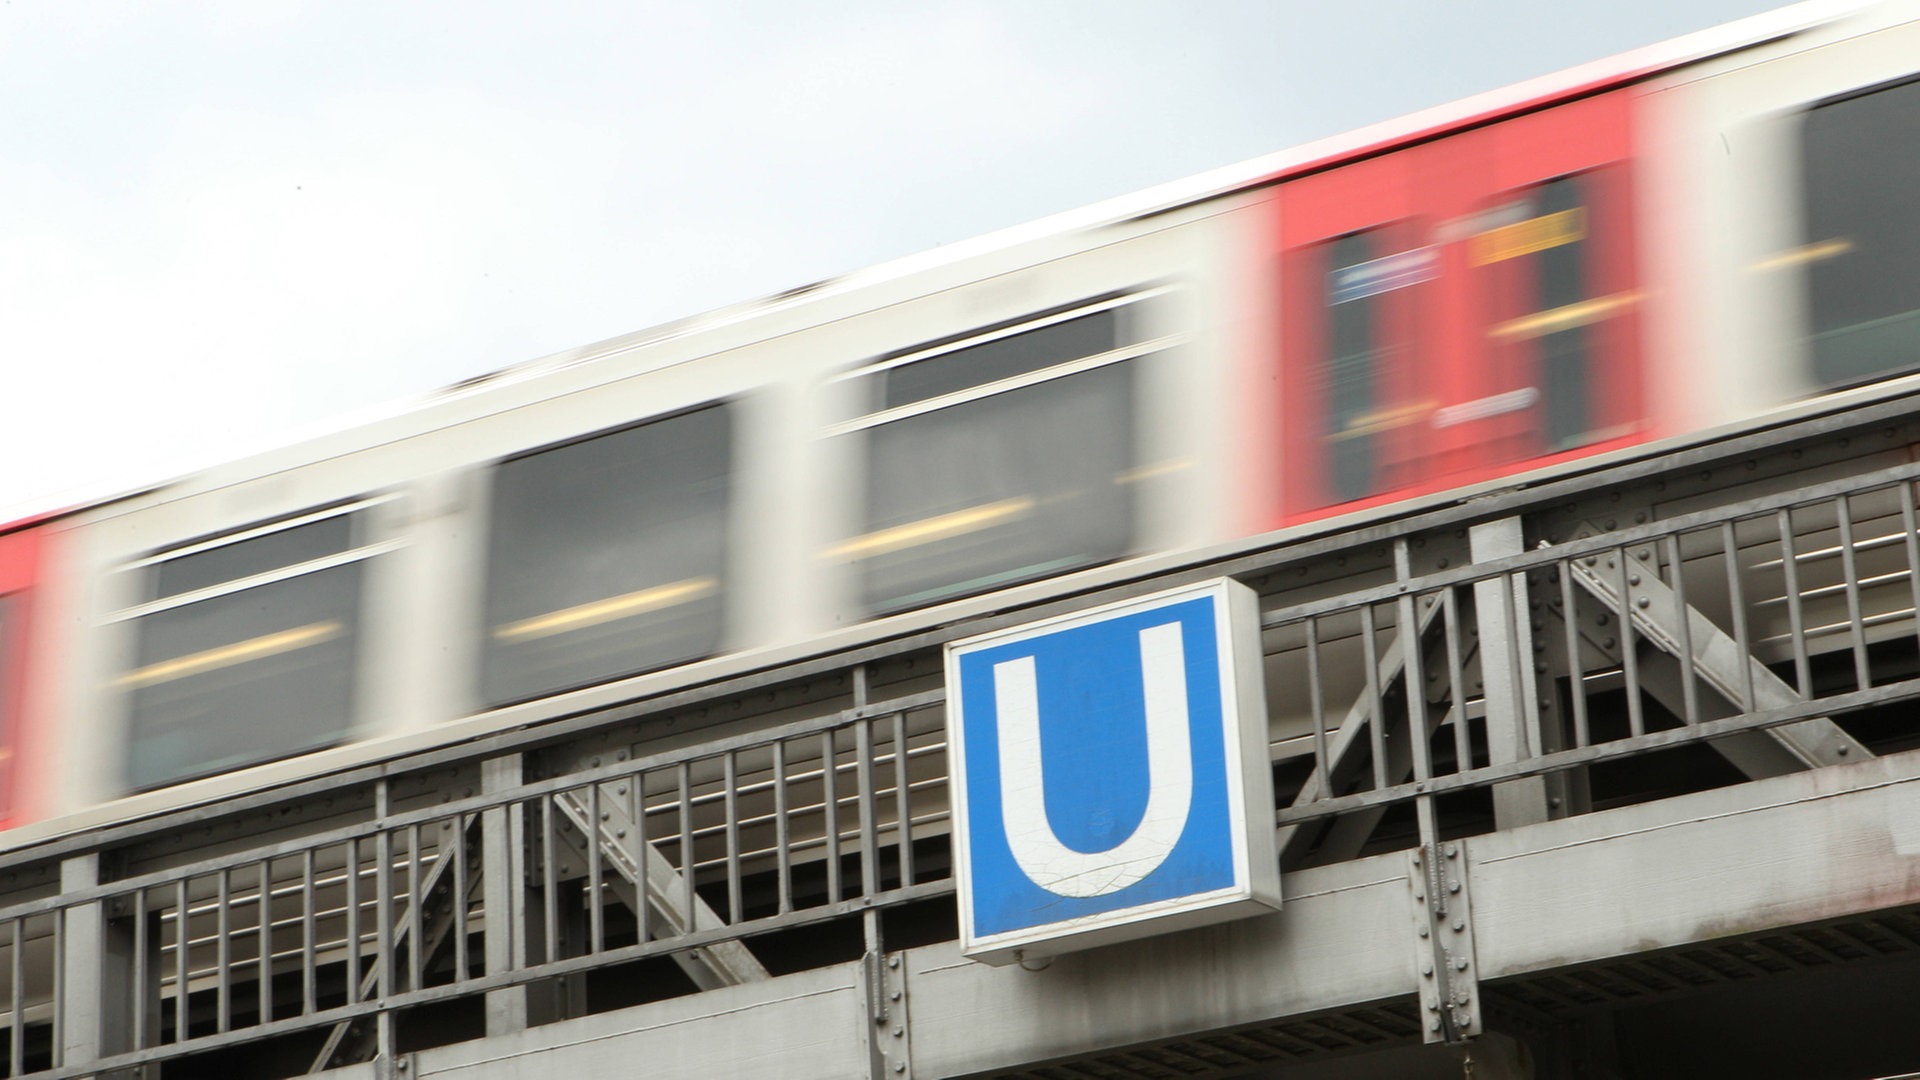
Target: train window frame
1813	253
1112	301
135	674
1403	376
721	627
1136	338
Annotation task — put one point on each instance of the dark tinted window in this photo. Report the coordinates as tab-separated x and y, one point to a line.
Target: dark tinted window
1540	275
1367	282
1002	358
287	547
1006	487
1861	160
259	670
605	556
1351	370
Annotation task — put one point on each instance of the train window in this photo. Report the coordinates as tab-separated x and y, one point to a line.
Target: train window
1361	379
1859	156
989	361
246	650
1004	456
1540	274
606	556
287	547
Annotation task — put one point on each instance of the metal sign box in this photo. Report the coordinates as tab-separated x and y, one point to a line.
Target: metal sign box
1110	774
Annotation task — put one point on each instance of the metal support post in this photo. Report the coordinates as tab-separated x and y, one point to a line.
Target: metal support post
96	966
503	869
1507	675
387	1063
1443	927
889	1047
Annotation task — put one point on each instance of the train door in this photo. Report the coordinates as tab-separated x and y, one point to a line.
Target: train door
1458	309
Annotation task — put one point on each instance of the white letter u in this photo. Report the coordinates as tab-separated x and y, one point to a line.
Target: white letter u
1023	806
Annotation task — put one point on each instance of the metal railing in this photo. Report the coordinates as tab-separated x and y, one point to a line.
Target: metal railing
1478	691
1746	629
686	854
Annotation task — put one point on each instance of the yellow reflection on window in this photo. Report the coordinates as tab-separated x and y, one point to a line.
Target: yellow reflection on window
228	655
1153	472
1529	236
1386	419
1565	317
1810	253
596	612
927	530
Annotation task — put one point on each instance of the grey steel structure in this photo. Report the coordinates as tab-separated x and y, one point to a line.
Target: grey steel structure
1611	776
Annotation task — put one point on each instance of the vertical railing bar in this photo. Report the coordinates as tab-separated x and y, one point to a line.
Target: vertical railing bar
416	899
384	947
1689	666
264	968
1911	535
307	974
731	769
59	986
783	853
596	916
830	807
864	788
181	948
644	855
457	909
1457	680
1414	648
383	944
1317	705
550	881
1790	574
139	980
1416	683
1377	721
222	951
1737	602
902	811
863	806
1843	509
1629	660
1576	680
690	899
353	919
1532	709
17	987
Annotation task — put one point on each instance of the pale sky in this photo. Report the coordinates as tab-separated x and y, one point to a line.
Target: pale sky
224	223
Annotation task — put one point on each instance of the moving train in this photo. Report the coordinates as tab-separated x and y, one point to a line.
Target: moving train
1694	238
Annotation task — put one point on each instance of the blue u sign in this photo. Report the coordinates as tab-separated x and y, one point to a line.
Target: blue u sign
1110	774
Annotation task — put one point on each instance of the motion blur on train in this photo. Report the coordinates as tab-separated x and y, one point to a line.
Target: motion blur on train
1694	238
